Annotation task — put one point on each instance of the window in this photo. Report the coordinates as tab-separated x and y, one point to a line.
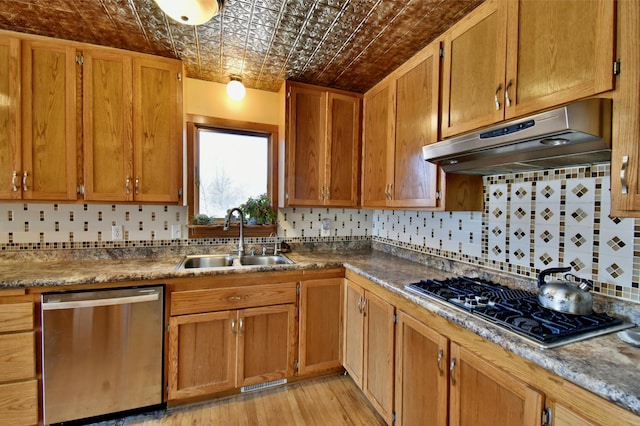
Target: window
228	162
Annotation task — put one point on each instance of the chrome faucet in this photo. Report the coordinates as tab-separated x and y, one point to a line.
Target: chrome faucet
227	222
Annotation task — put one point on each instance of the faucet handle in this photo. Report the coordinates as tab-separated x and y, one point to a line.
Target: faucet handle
253	251
264	250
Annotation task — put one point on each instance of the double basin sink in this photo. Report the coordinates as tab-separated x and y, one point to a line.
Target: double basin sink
222	261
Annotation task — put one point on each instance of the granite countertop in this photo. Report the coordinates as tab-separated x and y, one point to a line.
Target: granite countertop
604	365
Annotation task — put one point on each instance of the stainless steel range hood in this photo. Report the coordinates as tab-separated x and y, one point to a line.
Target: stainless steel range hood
576	134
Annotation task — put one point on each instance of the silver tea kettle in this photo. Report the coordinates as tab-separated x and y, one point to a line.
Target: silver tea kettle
569	297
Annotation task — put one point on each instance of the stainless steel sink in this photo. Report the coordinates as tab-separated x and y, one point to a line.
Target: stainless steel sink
224	261
206	261
265	260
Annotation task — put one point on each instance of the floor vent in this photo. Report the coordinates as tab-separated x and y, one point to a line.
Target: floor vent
263	385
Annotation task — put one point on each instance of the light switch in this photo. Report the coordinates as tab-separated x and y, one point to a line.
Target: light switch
325	230
117	232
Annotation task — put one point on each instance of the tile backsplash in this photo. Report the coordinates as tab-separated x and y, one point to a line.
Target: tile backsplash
531	221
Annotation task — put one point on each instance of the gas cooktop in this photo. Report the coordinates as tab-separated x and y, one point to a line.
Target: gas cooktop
517	311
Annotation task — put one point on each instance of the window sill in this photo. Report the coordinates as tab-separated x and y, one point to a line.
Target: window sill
215	231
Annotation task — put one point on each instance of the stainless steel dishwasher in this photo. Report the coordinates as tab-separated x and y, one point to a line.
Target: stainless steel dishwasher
102	352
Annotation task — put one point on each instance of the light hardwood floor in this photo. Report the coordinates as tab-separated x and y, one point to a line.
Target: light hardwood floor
332	400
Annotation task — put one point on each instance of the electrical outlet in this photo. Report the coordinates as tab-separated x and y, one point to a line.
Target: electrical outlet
117	232
325	230
176	232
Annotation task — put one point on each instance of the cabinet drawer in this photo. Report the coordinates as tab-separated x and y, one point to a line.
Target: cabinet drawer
219	299
17	357
19	403
16	317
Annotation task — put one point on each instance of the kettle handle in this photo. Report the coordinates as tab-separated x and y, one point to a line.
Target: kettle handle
549	271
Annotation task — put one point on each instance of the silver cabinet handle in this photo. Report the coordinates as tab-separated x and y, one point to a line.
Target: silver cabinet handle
439	361
24	181
451	368
498	89
127	185
360	304
507	99
623	175
233	326
364	306
137	185
14	178
241	326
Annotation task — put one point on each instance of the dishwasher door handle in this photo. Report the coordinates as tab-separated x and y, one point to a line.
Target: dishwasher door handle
53	305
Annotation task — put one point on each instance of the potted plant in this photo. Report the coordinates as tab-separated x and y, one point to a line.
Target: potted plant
259	210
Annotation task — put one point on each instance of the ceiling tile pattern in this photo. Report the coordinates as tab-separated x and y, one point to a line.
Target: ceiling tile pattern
346	44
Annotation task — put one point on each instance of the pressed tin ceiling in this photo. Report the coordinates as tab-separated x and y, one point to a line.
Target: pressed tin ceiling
346	44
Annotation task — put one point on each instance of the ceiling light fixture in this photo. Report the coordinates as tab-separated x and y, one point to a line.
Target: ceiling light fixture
191	12
235	88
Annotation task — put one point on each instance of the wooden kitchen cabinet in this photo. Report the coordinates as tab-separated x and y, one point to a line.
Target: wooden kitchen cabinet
368	346
49	125
132	127
220	343
510	58
400	117
322	146
10	146
320	334
422	374
18	384
625	156
482	394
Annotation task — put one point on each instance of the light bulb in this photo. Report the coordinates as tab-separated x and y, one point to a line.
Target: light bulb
235	89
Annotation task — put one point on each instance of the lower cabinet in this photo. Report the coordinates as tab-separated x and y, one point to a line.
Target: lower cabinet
368	346
422	373
481	394
433	373
320	332
18	384
211	352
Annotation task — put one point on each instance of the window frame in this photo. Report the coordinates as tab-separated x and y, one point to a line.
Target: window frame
196	122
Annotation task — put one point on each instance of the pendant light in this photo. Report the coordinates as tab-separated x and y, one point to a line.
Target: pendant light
191	12
235	88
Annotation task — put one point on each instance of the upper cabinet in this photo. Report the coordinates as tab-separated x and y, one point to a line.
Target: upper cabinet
78	117
49	131
322	146
400	117
132	121
509	58
625	158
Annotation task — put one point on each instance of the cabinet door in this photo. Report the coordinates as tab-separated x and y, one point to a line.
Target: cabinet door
107	117
625	156
49	131
306	146
10	147
19	403
157	130
378	354
558	51
266	344
483	395
202	354
320	325
342	164
421	374
474	70
377	151
353	331
416	181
